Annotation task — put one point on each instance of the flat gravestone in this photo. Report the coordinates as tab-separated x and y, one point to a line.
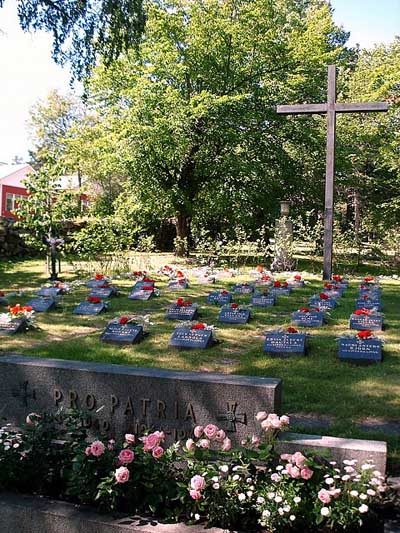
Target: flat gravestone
342	285
234	316
263	282
181	312
263	300
116	333
370	303
40	305
242	288
360	350
16	325
296	283
3	301
140	284
285	344
187	338
333	293
324	305
95	283
50	292
281	291
140	294
313	319
206	280
134	400
102	292
219	298
87	308
366	322
178	285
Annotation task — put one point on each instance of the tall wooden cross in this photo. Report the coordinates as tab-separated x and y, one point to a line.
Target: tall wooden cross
330	108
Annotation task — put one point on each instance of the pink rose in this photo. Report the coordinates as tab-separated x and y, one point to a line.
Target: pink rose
198	483
190	445
210	431
198	431
126	456
293	471
157	452
88	451
285	420
151	441
226	445
31	419
276	423
204	443
298	458
122	474
275	477
160	435
195	494
261	415
130	438
266	424
110	444
306	473
220	436
243	442
286	457
255	441
97	448
324	496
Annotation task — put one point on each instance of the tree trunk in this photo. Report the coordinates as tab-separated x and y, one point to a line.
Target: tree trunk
357	213
182	235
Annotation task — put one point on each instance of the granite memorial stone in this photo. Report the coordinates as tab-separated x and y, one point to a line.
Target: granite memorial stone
190	338
50	292
88	308
369	303
372	322
360	350
116	333
40	305
262	300
311	319
182	312
228	315
140	294
102	292
243	288
17	325
220	298
281	344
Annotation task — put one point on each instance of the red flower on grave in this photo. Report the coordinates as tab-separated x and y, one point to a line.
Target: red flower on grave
148	280
104	286
285	284
147	288
200	325
323	296
93	299
234	306
328	286
365	297
290	329
362	311
277	283
123	320
180	274
167	267
27	308
224	291
99	276
368	279
180	302
15	309
297	277
265	278
260	268
364	334
337	278
181	281
304	310
316	309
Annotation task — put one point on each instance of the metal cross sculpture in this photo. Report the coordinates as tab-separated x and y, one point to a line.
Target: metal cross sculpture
330	108
231	417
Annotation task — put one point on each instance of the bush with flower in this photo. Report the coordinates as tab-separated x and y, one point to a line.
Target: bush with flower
19	312
204	479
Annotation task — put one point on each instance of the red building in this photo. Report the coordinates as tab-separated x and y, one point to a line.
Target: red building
12	188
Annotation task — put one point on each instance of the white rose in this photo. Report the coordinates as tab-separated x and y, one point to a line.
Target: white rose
325	511
241	497
363	508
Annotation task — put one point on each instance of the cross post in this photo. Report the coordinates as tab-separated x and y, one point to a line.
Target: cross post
330	109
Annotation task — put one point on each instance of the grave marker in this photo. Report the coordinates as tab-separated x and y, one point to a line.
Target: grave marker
181	312
234	316
219	298
51	292
40	305
360	350
87	308
262	300
282	344
116	333
14	326
187	338
311	319
102	292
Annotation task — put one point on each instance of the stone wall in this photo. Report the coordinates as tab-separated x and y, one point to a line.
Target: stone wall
11	244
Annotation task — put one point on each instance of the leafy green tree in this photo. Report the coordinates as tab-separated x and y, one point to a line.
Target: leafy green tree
84	29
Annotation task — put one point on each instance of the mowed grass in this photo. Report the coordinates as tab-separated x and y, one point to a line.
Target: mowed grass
318	384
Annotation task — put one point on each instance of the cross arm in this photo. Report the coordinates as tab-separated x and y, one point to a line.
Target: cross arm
307	109
366	107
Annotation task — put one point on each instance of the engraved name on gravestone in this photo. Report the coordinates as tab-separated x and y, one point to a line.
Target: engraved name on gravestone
281	291
87	308
370	303
234	316
123	399
140	284
180	312
285	344
178	285
40	305
325	305
366	322
186	337
102	292
95	283
263	300
116	333
243	289
312	319
360	350
49	291
140	294
14	326
219	298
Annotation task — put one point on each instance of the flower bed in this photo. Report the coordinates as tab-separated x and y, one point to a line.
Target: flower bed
203	480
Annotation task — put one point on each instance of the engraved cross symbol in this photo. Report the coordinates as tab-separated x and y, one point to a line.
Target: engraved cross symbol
24	394
231	417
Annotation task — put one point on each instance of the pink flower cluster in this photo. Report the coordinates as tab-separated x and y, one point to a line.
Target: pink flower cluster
96	449
295	466
152	443
272	421
207	435
197	484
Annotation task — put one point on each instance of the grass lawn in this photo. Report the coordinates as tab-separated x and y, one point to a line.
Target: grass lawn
317	384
